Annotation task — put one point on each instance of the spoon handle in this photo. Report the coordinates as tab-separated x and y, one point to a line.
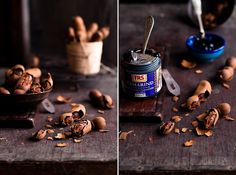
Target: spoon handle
148	30
197	5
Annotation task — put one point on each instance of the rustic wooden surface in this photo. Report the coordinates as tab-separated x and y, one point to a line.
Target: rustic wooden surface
149	153
96	154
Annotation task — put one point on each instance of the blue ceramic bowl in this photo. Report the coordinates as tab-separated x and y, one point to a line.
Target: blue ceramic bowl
202	54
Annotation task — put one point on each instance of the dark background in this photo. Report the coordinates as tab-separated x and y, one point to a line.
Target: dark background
49	21
153	1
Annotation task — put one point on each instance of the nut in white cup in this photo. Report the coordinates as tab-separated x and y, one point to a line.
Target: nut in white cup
84	58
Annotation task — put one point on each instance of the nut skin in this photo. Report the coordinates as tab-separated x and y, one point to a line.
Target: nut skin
223	109
200	95
99	123
66	119
3	90
81	128
23	84
39	135
78	111
47	82
166	128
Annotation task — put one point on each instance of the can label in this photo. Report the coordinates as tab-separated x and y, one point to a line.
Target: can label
143	85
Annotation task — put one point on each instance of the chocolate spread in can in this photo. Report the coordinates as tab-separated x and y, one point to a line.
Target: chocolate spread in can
141	73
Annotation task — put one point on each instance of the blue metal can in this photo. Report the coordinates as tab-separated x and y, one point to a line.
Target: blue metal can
141	73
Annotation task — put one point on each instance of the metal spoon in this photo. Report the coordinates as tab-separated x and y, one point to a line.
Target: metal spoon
197	6
148	29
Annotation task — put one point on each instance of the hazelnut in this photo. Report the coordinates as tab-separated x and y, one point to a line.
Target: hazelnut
226	74
231	61
224	109
94	94
108	102
99	123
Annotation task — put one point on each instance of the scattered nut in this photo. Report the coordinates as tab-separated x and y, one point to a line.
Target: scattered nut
167	127
226	86
229	118
224	109
200	131
175	98
209	118
227	73
99	123
188	64
39	135
49	138
81	128
198	71
200	95
124	135
189	143
77	140
63	99
60	136
50	131
49	118
100	100
66	119
209	133
176	118
184	130
177	131
62	145
174	109
101	112
78	112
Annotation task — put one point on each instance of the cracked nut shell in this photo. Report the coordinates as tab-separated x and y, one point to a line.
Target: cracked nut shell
167	127
66	119
78	111
81	128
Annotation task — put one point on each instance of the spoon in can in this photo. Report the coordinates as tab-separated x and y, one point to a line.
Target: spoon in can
197	6
148	29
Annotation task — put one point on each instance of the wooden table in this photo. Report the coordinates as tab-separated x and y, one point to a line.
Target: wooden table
147	152
96	154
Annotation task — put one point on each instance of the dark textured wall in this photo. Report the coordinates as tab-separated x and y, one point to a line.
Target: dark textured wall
50	19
